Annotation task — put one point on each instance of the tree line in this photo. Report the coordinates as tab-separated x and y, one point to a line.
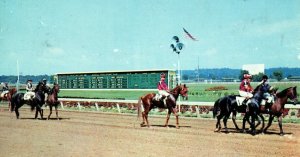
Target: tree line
221	73
11	79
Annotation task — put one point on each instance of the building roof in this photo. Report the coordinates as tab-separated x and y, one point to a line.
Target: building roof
121	71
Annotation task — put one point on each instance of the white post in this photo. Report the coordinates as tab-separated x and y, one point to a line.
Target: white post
179	76
178	66
197	111
62	105
78	105
118	107
97	107
17	86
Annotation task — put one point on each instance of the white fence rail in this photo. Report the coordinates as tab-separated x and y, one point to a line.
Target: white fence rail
117	102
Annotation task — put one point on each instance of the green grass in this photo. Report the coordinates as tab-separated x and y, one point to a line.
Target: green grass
196	92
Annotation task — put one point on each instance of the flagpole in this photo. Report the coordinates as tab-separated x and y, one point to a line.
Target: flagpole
17	86
178	66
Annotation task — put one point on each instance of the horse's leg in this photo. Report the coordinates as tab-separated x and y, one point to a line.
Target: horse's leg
258	121
246	118
146	118
233	120
36	113
176	115
225	123
269	123
168	117
253	131
218	125
56	112
263	122
280	125
9	105
50	107
17	112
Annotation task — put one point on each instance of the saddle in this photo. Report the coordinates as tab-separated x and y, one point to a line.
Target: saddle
3	95
29	95
161	98
239	101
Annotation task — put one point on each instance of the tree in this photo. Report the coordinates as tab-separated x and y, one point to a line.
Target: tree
258	77
241	77
185	77
278	75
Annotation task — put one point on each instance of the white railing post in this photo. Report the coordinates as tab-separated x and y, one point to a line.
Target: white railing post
197	111
78	105
118	107
97	107
62	105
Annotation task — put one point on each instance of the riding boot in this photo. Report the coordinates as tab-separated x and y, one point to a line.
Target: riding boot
267	108
162	99
244	104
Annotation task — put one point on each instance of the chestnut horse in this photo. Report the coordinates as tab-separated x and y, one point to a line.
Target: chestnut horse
147	102
52	100
278	106
7	97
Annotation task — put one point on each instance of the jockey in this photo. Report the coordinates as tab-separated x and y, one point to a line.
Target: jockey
265	89
5	89
245	89
29	90
163	90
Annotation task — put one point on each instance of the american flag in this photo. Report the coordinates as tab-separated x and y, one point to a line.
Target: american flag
189	35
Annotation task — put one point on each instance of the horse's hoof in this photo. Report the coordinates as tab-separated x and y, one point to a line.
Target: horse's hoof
218	129
281	134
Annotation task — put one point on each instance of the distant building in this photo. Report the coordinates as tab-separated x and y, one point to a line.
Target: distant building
254	69
294	78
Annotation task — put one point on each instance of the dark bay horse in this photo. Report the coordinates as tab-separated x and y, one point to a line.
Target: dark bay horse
146	103
224	106
253	111
52	100
37	102
8	96
277	108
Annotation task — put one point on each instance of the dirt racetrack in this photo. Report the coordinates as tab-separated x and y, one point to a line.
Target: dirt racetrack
101	134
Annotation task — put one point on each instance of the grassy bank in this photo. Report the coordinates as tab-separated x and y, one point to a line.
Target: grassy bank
197	92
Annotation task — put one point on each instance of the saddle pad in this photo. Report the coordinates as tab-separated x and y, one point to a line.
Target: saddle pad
239	100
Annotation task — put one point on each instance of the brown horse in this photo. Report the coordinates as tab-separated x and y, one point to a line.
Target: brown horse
7	97
147	102
52	100
277	108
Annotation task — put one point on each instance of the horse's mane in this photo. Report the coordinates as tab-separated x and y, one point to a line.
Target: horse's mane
283	93
174	89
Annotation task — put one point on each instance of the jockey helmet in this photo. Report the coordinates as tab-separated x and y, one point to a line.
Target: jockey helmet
247	76
265	77
162	75
44	80
29	80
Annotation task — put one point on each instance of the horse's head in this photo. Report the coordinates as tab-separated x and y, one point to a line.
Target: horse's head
55	88
184	91
13	91
292	94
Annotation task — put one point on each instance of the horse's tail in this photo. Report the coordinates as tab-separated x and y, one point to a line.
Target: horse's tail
139	105
216	110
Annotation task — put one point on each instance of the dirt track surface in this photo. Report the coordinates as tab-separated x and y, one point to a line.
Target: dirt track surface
99	134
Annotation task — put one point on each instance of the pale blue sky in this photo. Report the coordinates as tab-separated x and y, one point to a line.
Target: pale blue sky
51	36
